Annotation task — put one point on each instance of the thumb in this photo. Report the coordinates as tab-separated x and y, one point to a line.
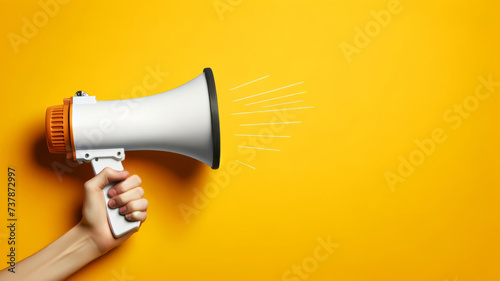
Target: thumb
106	176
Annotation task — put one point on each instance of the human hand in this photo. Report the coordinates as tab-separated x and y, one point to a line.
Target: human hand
126	195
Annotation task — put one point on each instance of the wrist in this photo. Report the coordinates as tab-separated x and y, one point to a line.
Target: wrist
93	247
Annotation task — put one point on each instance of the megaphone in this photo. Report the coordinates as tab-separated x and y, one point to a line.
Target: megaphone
184	120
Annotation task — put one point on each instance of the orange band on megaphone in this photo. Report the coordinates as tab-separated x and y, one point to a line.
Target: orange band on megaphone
58	129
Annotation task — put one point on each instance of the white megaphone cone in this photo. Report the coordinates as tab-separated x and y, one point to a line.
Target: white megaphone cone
184	120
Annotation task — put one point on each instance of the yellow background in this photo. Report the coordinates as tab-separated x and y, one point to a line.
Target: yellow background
327	180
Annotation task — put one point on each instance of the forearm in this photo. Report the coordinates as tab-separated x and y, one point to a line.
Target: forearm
58	260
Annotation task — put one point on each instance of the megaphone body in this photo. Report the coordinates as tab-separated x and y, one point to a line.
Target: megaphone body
184	120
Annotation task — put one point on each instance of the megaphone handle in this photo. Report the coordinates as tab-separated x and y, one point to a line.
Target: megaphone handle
118	223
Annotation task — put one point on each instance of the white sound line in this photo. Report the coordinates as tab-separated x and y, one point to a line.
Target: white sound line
271	110
239	135
269	91
245	164
291	122
282	103
249	82
276	98
259	148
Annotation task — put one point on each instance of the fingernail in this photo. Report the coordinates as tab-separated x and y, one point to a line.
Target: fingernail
123	209
128	216
112	192
112	203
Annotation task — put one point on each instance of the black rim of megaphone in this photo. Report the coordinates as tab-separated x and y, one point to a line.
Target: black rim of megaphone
214	109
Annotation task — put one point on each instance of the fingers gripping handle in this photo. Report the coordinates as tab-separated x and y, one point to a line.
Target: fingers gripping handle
118	223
